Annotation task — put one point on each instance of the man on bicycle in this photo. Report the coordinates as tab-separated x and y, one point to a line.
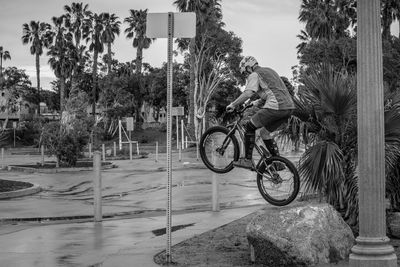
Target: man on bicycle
276	106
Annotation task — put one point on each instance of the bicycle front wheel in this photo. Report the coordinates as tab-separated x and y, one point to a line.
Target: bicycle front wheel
218	150
278	180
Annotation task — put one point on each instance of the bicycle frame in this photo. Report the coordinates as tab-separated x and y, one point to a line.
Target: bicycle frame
236	126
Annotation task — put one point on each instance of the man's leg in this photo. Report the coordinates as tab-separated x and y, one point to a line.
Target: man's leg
269	142
249	138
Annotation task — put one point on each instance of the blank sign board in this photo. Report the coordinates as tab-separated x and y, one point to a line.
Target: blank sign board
184	25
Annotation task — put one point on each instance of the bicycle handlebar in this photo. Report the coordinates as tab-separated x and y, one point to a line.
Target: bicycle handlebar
244	107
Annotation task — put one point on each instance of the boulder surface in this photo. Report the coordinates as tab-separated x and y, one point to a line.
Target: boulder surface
296	236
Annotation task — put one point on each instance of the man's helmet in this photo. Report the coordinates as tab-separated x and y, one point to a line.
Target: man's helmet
247	61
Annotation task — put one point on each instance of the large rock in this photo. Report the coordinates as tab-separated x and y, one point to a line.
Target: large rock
296	236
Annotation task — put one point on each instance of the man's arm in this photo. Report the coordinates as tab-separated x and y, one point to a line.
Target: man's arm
242	98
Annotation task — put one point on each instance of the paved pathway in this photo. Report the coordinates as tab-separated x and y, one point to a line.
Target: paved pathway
135	187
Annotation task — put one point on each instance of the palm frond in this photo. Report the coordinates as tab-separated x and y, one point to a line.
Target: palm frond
321	167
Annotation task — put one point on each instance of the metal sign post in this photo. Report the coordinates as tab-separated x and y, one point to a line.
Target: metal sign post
169	131
181	25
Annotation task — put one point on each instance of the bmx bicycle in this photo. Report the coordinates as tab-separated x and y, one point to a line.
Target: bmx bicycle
277	178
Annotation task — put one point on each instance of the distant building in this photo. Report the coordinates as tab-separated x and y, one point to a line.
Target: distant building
20	110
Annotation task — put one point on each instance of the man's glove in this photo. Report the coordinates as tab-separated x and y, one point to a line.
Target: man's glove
257	103
230	108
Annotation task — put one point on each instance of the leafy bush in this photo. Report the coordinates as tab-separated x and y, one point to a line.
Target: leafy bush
64	141
29	133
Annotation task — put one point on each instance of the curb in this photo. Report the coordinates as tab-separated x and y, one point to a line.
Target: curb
21	192
55	170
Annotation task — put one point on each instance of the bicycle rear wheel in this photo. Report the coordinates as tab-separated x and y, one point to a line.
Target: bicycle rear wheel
218	150
277	180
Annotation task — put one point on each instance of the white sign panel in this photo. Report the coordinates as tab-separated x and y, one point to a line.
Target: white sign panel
129	123
177	111
184	25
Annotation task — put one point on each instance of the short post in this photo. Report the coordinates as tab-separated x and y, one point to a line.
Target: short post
42	153
156	151
115	149
137	148
103	148
215	183
182	134
186	141
97	186
130	150
177	132
180	153
2	158
90	150
197	150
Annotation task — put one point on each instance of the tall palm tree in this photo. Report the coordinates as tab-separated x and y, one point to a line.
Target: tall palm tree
137	32
4	55
93	30
60	56
206	11
111	28
75	15
327	19
37	34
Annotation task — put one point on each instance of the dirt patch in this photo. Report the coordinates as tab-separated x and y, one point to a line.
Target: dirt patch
225	246
7	185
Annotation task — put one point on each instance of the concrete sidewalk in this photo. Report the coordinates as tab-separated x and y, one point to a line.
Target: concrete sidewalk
114	243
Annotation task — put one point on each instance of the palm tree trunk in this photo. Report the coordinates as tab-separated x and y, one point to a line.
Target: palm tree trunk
62	100
94	78
139	54
38	80
191	121
109	58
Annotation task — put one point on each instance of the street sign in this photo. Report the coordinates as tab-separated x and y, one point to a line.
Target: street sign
177	111
184	25
129	123
170	25
14	124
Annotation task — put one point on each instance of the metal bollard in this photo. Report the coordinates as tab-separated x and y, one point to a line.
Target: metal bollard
42	153
197	150
157	151
97	186
90	150
103	148
180	153
215	183
2	158
130	151
115	149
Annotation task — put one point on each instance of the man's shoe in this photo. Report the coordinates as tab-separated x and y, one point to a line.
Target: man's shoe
244	163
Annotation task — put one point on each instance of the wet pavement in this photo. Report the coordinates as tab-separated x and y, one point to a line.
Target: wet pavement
134	187
134	201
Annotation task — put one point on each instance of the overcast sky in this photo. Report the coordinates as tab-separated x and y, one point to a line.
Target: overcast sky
268	29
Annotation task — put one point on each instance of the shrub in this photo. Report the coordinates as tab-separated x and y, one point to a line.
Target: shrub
64	141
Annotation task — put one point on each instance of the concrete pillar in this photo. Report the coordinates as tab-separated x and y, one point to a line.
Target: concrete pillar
372	247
